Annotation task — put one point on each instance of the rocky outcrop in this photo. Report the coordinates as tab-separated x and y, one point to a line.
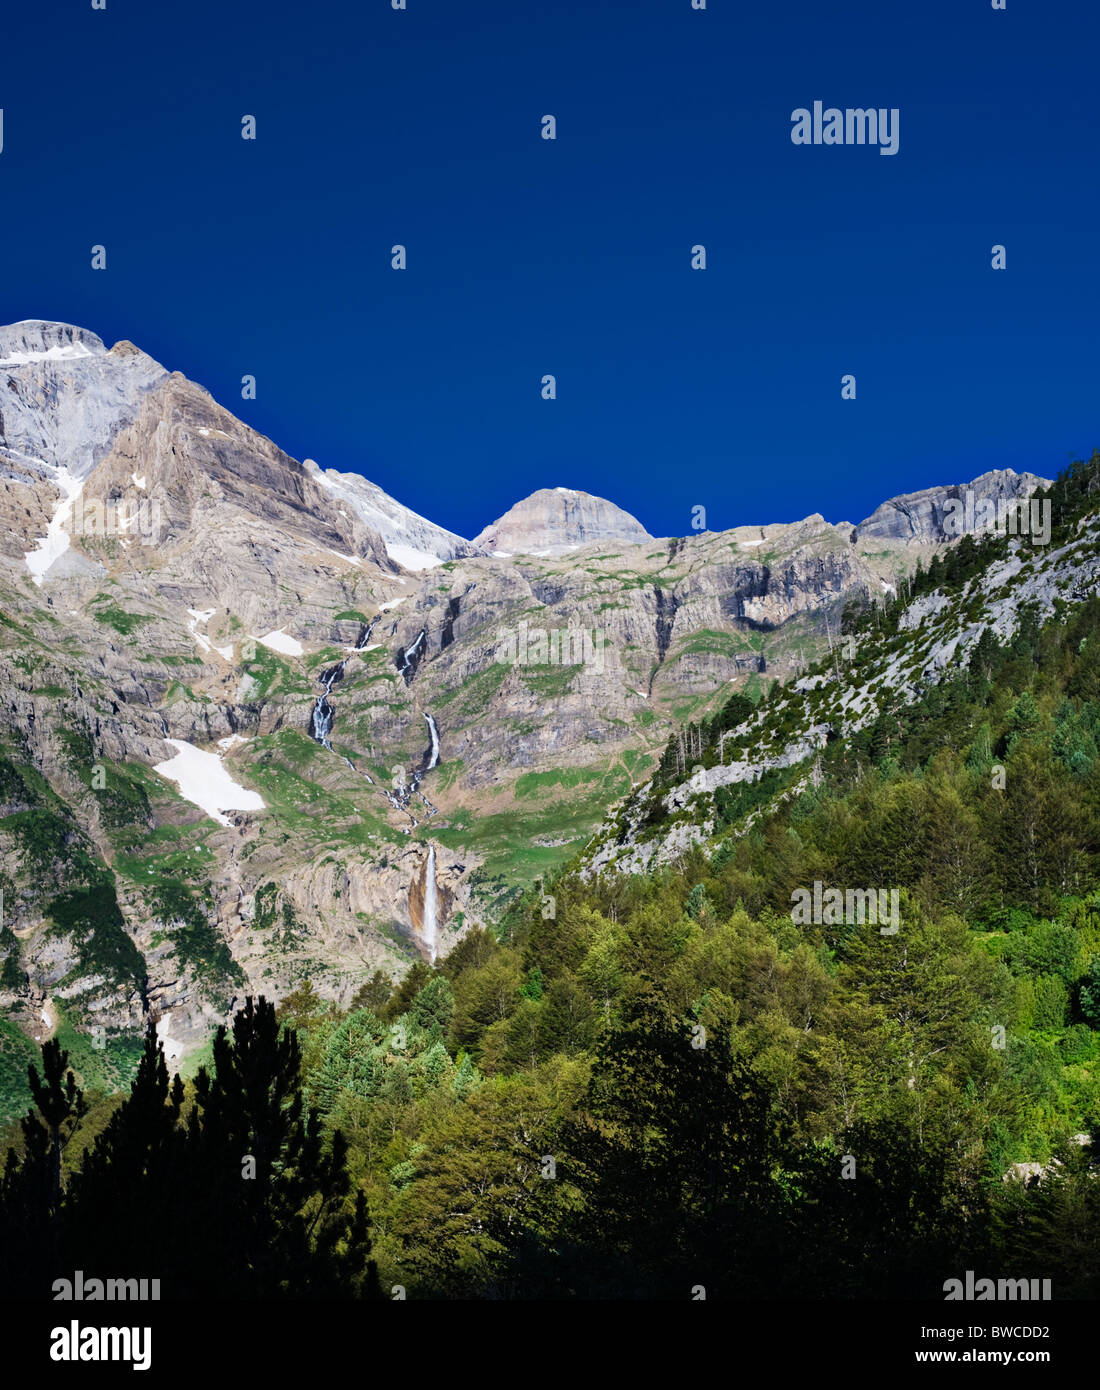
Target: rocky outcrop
928	517
217	501
555	519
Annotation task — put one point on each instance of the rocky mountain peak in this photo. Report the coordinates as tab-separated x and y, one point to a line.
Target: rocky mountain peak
35	340
65	398
554	519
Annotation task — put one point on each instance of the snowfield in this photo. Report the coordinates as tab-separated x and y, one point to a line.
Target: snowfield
65	353
280	642
410	558
202	780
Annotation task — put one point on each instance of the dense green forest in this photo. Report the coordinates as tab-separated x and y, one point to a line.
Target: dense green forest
637	1085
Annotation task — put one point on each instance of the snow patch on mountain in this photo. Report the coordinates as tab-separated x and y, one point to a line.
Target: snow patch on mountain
204	616
280	641
204	781
74	396
56	353
408	557
56	540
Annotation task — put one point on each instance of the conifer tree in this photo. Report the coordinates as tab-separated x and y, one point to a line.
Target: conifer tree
60	1103
126	1185
281	1217
31	1211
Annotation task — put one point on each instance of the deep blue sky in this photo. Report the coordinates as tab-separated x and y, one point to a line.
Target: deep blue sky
675	387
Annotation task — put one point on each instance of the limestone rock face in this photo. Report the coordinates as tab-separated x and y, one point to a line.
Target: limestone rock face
918	518
63	399
65	396
555	519
217	502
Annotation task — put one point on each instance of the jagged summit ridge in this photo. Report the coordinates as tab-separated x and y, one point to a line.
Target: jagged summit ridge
412	540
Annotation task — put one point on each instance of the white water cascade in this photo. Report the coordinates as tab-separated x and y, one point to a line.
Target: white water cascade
431	907
433	758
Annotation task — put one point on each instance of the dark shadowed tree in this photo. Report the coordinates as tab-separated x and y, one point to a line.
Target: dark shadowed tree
31	1200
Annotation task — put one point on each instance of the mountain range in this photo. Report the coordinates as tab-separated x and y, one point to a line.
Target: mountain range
263	723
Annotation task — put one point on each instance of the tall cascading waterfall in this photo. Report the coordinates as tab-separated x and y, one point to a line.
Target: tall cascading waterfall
408	658
431	907
404	794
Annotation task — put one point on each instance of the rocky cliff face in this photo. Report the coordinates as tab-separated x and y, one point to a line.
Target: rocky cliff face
166	573
940	514
937	634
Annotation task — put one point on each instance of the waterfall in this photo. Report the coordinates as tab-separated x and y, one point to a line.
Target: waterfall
323	717
434	757
321	721
408	658
320	724
431	906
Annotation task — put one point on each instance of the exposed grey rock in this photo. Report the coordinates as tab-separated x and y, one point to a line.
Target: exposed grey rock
918	518
65	396
555	519
134	638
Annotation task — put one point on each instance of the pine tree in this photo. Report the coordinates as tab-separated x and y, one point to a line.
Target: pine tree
353	1061
466	1076
284	1229
417	977
435	1063
61	1104
126	1183
1090	994
980	758
697	902
434	1004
